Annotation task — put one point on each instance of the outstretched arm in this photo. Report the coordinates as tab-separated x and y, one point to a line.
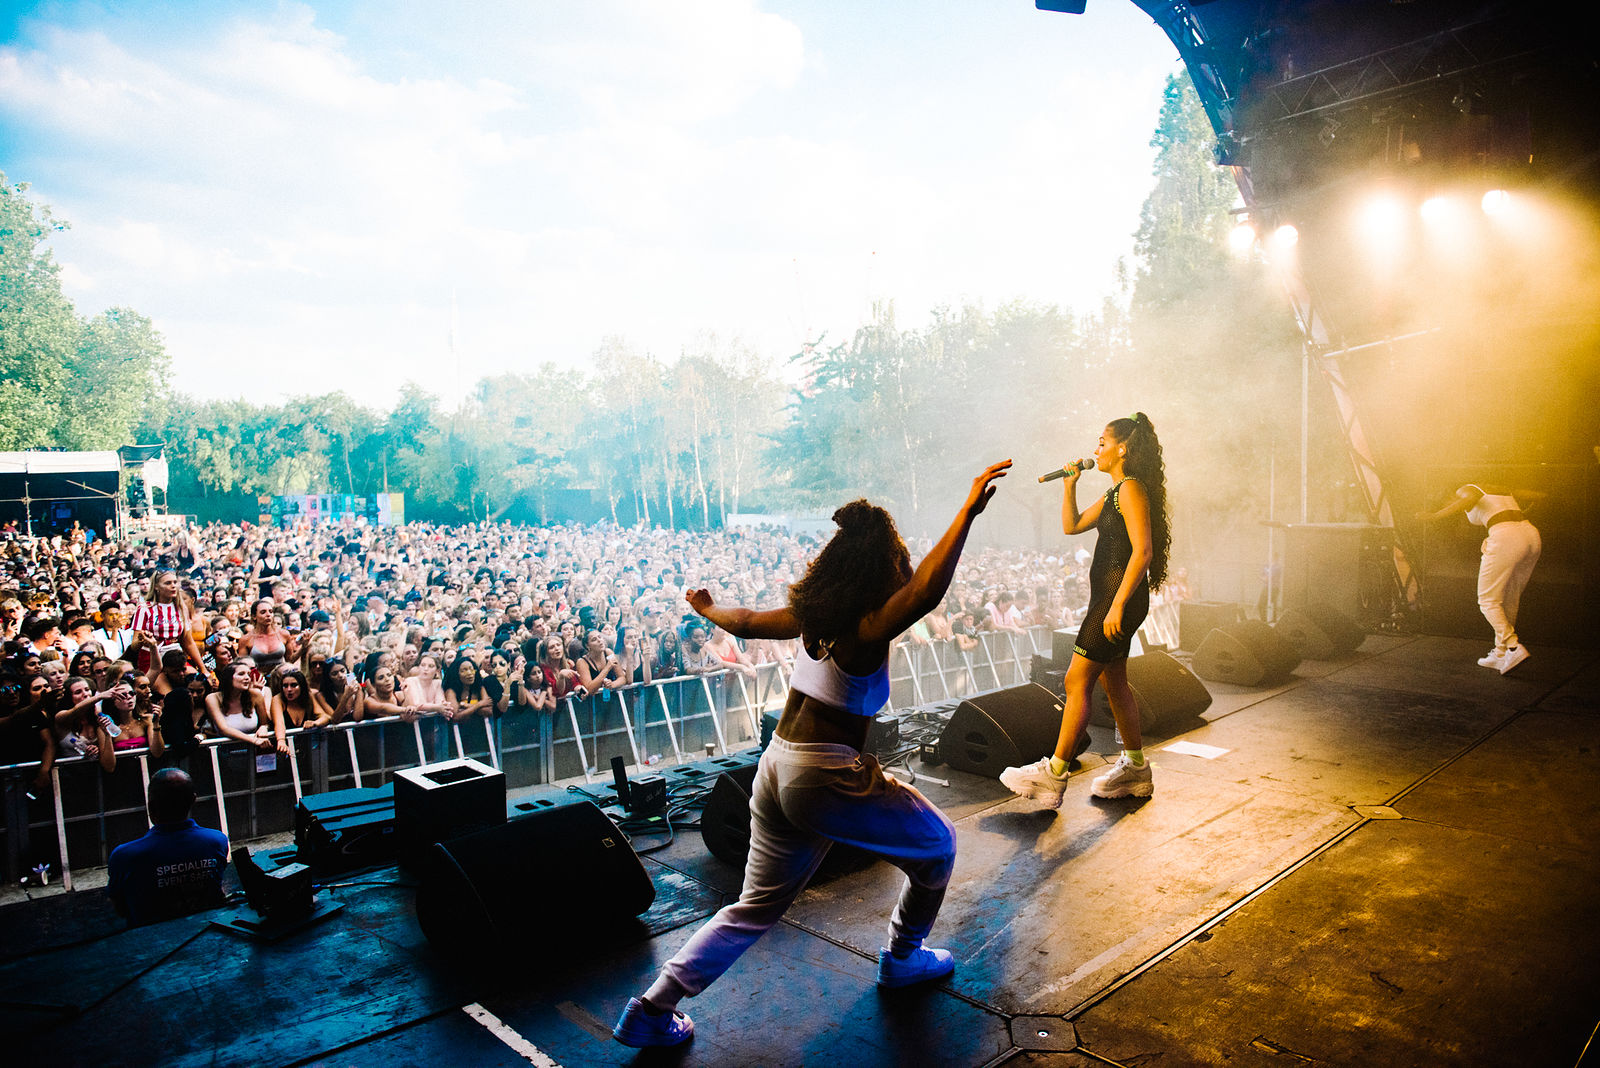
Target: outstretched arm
1465	498
932	578
745	622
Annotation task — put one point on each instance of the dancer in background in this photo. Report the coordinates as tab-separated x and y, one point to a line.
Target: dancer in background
1511	547
814	785
1130	559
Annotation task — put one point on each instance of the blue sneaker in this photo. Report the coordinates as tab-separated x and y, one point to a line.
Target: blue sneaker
638	1028
918	966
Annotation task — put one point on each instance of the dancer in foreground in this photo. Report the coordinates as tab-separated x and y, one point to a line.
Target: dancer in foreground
1511	548
814	785
1130	559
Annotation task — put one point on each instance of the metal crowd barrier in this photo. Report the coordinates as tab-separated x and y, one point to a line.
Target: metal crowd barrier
924	673
87	812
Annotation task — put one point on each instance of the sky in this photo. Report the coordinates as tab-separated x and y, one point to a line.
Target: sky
308	197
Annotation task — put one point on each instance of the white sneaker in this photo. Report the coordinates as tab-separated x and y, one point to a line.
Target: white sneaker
1514	656
1493	659
1037	782
1125	780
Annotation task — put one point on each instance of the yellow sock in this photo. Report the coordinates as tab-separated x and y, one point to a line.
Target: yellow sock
1058	767
1135	757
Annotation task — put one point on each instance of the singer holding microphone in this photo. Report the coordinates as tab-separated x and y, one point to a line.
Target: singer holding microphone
1130	558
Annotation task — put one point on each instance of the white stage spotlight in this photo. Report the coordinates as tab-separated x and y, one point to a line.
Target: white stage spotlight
1242	237
1496	201
1436	209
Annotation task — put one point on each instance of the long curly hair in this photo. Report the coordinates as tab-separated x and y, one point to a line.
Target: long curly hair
860	567
1144	463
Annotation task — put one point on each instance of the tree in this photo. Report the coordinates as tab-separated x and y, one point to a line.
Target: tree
119	367
1215	360
39	331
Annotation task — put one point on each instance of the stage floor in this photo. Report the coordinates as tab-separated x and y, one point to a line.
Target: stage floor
1390	860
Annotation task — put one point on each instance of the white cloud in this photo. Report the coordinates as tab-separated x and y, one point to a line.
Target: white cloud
279	196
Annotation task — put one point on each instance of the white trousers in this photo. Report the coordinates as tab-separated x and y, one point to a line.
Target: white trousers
1509	553
806	797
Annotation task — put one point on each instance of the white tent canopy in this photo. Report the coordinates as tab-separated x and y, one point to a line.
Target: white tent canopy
58	463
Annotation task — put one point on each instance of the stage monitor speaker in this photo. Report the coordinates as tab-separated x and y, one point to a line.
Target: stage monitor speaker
345	829
1169	696
1061	646
564	869
725	825
725	821
1246	654
1196	619
445	800
992	731
1320	632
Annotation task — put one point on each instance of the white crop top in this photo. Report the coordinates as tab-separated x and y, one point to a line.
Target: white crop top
825	681
1488	506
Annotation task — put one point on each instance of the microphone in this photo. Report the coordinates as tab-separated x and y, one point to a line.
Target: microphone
1075	467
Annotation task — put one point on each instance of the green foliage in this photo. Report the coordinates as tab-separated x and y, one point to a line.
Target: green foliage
903	415
65	381
1215	359
38	329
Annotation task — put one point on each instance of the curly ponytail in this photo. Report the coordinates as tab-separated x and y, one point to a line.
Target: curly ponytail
1144	462
858	570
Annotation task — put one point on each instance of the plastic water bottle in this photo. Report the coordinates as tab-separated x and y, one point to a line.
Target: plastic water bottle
109	724
652	760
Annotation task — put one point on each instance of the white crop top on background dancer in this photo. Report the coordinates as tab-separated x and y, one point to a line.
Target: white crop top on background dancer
1488	506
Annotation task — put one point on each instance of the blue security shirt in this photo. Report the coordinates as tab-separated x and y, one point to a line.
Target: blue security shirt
175	869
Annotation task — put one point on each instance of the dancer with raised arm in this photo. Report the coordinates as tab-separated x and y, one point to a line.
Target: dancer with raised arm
1130	559
814	785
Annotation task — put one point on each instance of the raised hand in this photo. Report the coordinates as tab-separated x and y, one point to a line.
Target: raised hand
983	487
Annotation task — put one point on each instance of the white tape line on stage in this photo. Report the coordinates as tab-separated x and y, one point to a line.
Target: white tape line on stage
524	1049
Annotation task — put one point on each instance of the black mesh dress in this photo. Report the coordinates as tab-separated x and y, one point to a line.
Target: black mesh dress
1112	551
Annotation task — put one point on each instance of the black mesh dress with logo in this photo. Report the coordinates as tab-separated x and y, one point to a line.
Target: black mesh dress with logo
1112	551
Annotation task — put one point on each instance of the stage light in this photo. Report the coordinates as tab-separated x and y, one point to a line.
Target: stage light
1285	237
1242	237
1382	219
1496	201
1440	209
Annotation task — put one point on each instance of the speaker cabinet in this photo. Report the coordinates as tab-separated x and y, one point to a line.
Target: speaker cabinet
1061	646
1169	696
1004	728
1245	654
725	821
725	825
445	800
1320	632
562	869
345	829
1196	619
1347	566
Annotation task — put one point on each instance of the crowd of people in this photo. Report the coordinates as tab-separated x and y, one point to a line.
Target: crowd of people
246	632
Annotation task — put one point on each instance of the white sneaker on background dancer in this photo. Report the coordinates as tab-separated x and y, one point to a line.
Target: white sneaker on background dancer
1125	779
1036	782
1514	656
1496	655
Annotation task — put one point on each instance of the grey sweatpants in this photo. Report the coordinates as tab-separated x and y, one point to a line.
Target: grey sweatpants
806	797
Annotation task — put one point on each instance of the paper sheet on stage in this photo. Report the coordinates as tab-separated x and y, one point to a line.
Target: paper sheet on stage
1208	752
